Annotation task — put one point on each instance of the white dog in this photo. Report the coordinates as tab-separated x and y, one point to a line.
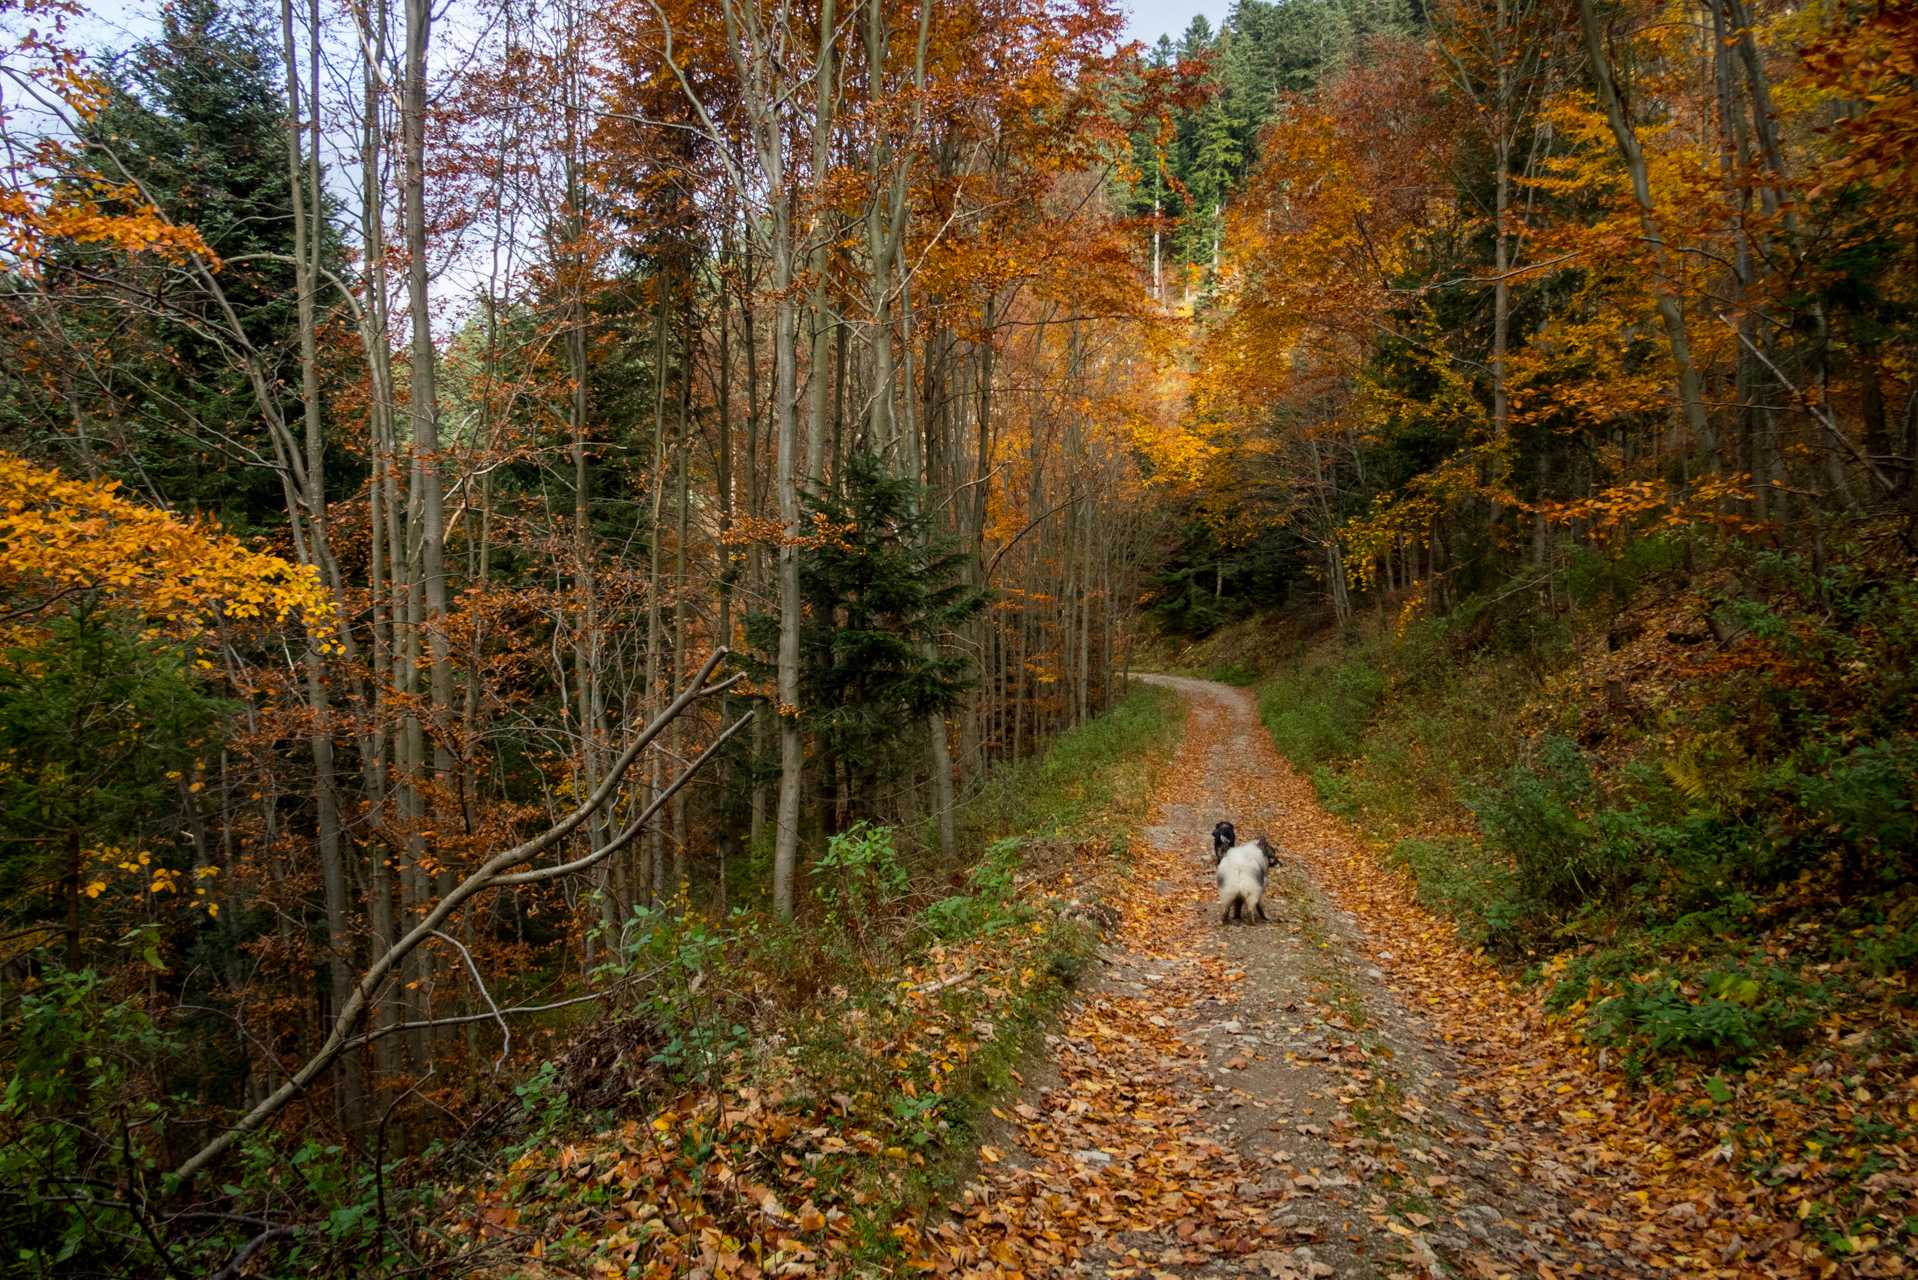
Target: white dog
1242	880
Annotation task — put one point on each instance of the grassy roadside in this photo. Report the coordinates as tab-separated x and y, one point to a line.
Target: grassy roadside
1704	848
1092	777
811	1093
1682	811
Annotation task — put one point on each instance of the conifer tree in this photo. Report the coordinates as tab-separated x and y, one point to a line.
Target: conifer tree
196	117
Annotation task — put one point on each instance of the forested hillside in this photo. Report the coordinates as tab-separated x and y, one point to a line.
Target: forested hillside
556	557
1554	387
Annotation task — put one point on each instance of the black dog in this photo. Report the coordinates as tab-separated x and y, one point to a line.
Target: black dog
1223	838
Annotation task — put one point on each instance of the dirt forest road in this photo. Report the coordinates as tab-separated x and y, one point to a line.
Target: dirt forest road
1301	1098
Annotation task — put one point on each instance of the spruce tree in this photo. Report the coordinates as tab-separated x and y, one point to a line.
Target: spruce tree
198	118
877	590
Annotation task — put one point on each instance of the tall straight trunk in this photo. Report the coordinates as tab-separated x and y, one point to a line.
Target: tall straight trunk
654	869
838	407
982	462
1065	605
1158	290
1327	478
387	568
886	208
428	635
681	509
763	77
1771	152
1108	695
1028	622
1633	157
727	832
586	638
819	306
304	185
766	75
1501	266
1735	160
755	555
1016	741
792	758
1083	711
424	399
973	529
940	763
1504	120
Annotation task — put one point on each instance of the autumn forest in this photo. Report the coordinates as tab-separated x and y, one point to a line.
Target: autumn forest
583	571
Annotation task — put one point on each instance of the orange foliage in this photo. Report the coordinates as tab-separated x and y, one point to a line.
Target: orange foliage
48	192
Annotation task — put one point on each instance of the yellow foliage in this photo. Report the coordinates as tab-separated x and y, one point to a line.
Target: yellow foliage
60	537
1409	513
48	190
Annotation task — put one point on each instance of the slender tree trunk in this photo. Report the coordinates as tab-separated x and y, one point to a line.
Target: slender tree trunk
728	832
653	872
792	759
304	184
755	555
940	763
820	307
1634	158
682	508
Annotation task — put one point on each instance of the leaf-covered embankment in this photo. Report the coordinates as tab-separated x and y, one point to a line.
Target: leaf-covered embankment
1652	865
799	1121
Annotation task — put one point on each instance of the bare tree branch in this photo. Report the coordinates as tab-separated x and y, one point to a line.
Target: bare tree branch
489	875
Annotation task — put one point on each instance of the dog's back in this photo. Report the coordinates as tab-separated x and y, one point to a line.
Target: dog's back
1242	881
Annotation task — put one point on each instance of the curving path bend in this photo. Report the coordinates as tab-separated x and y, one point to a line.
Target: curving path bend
1268	1099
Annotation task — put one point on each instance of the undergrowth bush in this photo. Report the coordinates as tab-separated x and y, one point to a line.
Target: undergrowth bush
1058	792
1318	712
1446	723
1729	1007
989	906
1455	879
1652	838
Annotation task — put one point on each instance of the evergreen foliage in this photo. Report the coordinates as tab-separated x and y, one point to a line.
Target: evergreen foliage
879	591
1264	52
197	116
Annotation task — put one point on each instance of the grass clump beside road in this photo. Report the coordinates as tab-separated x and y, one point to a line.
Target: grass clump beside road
808	1091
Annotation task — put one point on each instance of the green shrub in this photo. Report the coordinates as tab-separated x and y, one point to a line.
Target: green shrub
1539	814
860	873
1591	576
989	907
1731	1010
1239	672
1455	877
1865	797
1318	712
